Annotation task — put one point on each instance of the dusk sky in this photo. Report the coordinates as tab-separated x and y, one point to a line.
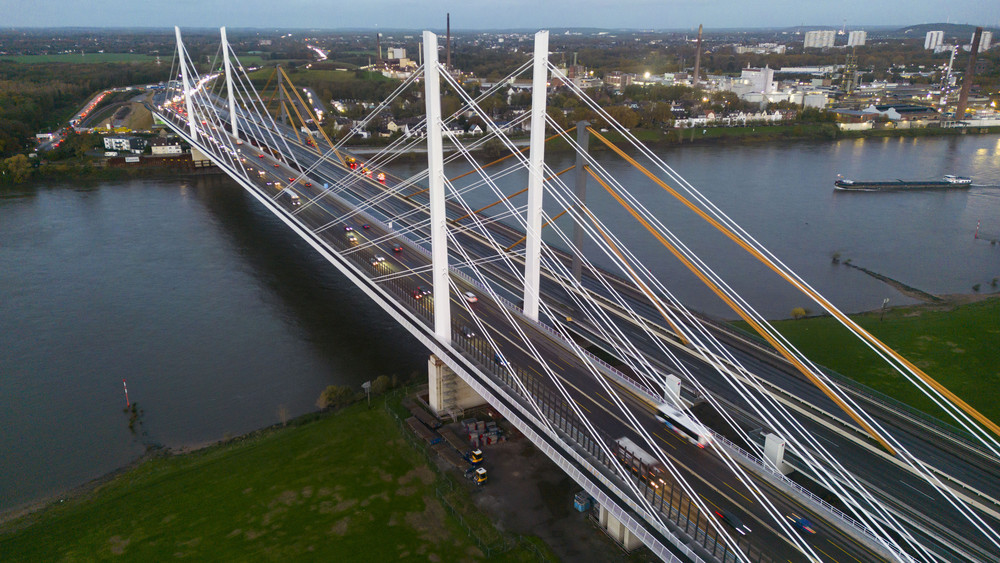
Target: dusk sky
494	14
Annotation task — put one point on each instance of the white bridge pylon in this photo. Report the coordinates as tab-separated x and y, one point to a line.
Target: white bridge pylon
461	248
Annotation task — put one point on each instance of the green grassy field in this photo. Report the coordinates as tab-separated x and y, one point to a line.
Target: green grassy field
346	487
84	58
960	348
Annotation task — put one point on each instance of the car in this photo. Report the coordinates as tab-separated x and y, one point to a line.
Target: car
366	226
352	239
466	332
470	297
417	294
801	524
378	259
260	156
397	249
500	360
275	164
348	228
309	185
424	290
381	177
270	183
733	521
290	180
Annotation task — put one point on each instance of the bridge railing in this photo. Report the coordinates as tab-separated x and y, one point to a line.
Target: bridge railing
809	496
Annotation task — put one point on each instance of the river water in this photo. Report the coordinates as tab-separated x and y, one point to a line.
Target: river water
222	321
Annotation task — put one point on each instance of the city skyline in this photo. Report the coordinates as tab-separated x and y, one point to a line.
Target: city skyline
514	14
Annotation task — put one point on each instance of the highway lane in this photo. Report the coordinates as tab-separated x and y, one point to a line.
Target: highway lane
374	187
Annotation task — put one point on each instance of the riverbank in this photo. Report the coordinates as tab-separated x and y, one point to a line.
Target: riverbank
328	486
954	340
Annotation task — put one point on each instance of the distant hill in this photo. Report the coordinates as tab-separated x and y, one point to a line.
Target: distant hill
960	31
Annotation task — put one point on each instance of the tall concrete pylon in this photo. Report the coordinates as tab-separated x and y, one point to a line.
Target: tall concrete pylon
186	83
435	180
229	82
536	177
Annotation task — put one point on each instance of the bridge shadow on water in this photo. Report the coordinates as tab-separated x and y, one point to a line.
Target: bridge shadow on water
345	327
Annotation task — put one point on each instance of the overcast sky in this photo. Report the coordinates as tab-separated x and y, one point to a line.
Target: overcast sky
493	14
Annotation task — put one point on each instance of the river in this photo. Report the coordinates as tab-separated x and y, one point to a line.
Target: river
222	321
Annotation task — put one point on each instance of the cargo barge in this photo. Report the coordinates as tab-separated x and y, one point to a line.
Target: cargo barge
948	181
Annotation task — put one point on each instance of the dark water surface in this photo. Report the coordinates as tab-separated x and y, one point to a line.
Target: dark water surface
217	315
221	319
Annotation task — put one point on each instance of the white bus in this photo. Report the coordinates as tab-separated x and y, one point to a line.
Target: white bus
293	198
682	424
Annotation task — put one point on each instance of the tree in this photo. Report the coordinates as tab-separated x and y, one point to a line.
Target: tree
336	396
381	384
798	313
16	169
624	116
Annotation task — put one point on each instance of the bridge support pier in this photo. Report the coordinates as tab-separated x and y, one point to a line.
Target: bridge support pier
198	156
447	393
774	450
618	531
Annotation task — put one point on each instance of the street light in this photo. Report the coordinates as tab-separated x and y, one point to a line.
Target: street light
884	303
367	386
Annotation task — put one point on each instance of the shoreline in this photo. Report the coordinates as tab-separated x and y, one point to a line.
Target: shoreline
90	169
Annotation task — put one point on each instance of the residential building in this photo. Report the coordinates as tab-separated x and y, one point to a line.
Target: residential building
857	38
131	144
161	146
618	79
933	40
984	40
820	39
761	49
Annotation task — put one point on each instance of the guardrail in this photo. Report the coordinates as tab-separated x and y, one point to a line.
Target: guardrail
806	493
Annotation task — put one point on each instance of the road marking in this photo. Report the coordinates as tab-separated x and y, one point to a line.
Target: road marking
828	441
845	552
737	492
664	440
916	489
581	405
704	498
824	553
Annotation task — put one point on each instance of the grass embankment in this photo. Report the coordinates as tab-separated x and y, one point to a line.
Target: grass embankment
346	487
959	347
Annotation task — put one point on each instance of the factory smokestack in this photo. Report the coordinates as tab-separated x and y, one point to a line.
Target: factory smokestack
697	61
447	43
378	46
963	97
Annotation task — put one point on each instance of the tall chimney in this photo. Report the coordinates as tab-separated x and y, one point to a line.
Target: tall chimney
963	97
447	60
697	61
378	46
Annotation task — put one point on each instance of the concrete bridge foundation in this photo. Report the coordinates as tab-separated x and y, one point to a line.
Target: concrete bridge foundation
618	531
448	394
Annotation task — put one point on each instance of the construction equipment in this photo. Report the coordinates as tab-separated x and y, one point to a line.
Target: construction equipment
477	475
475	457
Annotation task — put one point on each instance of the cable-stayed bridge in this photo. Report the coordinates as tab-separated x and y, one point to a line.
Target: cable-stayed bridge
682	429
